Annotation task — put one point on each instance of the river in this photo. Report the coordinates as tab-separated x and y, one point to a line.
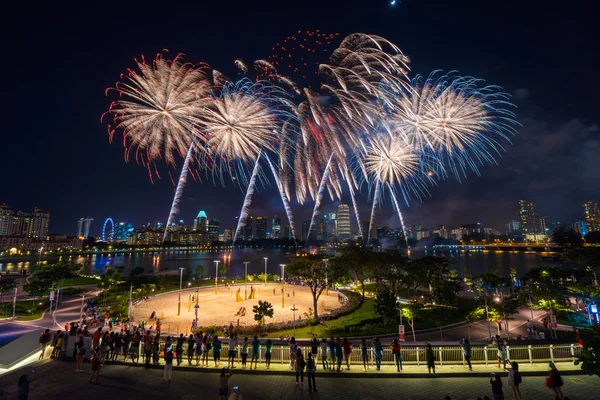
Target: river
470	263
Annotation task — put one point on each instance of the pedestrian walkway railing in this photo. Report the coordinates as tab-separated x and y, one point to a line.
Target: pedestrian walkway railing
411	355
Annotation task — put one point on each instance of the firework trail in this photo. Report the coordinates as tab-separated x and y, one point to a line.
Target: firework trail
284	198
397	207
247	200
319	196
376	195
179	191
355	205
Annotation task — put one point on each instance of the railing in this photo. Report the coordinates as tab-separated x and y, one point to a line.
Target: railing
413	355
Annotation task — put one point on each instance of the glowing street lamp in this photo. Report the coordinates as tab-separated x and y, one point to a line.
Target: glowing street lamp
246	280
180	283
283	283
266	258
216	274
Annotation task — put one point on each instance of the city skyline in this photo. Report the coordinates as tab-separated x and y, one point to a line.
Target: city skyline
554	134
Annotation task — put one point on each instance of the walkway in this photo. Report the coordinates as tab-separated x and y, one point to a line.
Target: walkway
56	380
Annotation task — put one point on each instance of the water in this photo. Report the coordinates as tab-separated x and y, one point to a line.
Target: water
473	263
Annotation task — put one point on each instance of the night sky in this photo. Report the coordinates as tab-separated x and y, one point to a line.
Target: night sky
58	61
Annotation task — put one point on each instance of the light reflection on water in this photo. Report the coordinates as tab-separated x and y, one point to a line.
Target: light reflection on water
472	263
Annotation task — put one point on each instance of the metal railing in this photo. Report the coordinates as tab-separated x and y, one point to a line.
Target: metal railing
411	355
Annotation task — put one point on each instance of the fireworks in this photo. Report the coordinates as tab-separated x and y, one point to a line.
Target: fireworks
367	122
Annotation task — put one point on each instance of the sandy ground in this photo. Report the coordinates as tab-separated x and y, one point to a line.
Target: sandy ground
221	309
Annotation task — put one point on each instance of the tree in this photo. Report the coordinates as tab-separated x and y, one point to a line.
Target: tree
356	263
386	306
589	358
436	273
503	307
472	317
262	310
311	269
6	285
391	271
413	311
136	271
567	237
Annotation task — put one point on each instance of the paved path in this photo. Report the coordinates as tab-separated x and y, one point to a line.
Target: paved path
56	380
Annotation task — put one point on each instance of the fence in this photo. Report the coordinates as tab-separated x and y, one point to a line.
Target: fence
415	355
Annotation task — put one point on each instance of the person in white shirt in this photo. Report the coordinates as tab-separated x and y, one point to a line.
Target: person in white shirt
233	343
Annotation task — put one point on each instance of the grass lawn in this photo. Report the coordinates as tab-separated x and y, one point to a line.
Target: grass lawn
79	281
26	310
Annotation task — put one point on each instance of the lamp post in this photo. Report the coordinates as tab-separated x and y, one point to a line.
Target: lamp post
326	260
266	258
40	257
246	280
294	309
180	283
15	303
196	307
216	274
283	283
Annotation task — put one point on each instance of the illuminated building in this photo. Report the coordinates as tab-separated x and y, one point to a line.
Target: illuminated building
248	230
228	235
83	227
214	226
580	227
513	228
591	216
260	224
322	229
343	222
276	227
201	222
532	226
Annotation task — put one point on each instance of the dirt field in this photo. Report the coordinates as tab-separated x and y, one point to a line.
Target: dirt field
221	309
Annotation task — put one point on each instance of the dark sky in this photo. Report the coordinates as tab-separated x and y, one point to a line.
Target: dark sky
58	61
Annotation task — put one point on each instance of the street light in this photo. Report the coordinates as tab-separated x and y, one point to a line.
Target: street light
283	283
180	283
130	302
196	307
246	280
266	258
216	274
294	309
326	281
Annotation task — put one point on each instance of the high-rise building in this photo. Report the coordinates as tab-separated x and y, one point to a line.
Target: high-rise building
7	216
83	227
313	231
530	222
322	229
35	224
276	227
228	235
591	216
214	227
513	228
201	222
580	227
343	222
261	228
248	230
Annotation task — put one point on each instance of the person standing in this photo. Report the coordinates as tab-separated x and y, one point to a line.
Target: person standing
299	366
377	352
514	379
198	349
332	353
496	386
347	347
216	351
466	348
118	344
23	385
223	380
135	348
324	354
244	351
147	349
339	353
126	344
179	349
314	347
96	366
293	352
44	340
168	373
268	348
364	353
190	349
311	369
233	343
430	358
206	346
255	352
397	351
555	382
80	357
57	344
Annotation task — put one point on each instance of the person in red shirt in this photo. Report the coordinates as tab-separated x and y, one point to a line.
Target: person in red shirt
96	338
44	340
397	351
96	366
347	345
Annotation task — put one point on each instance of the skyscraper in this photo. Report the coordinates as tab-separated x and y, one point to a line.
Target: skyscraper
313	231
83	227
530	222
214	226
513	228
201	222
322	229
591	216
580	227
343	222
261	228
276	227
248	230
